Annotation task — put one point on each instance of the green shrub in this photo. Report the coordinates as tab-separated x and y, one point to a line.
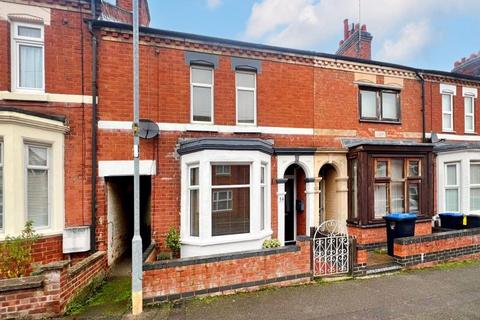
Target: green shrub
173	240
16	253
271	243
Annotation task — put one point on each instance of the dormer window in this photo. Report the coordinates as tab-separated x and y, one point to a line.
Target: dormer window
28	67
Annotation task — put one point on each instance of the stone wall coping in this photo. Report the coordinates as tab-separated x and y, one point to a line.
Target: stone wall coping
84	263
148	251
56	265
164	264
22	283
438	236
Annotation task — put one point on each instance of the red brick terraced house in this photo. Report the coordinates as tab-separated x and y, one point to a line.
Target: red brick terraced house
255	142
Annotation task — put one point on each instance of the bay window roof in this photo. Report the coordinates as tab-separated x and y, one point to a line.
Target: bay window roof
253	144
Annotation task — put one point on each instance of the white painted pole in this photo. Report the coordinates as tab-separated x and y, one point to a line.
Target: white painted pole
137	295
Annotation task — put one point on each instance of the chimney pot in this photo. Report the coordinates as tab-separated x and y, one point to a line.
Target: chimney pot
345	29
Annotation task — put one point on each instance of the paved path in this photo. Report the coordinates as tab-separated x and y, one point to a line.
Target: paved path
429	294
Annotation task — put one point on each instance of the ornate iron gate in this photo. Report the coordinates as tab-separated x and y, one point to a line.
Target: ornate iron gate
331	250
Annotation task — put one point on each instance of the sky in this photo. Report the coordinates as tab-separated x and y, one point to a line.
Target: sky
429	34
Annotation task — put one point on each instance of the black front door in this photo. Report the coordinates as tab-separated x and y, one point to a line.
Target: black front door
289	210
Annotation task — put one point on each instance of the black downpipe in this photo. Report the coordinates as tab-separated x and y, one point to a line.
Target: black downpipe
93	228
422	79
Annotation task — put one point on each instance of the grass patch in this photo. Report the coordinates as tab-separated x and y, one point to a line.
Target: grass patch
113	296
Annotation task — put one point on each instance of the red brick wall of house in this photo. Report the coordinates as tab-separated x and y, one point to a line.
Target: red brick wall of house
67	71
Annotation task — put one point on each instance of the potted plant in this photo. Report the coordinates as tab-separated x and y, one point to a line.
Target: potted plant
173	241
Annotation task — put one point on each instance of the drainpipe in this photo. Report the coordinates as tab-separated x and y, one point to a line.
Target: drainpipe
93	227
422	79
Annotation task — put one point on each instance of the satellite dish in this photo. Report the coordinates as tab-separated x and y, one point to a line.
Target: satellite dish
434	138
147	129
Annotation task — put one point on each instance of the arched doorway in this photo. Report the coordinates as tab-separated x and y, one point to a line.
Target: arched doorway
295	203
328	198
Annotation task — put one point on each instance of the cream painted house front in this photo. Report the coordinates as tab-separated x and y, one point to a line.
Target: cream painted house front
20	135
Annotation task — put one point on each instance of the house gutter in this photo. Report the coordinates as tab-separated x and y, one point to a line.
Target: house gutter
422	80
93	226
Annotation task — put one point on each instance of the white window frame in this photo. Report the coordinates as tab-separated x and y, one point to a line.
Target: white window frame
444	128
16	41
202	85
472	114
453	187
472	186
27	166
190	188
216	200
254	90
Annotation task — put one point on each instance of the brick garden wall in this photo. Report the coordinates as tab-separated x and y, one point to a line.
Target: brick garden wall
426	250
50	289
217	274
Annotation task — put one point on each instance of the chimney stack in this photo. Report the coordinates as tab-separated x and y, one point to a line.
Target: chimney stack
357	42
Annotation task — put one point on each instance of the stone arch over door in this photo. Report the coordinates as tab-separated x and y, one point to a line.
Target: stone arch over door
333	167
306	163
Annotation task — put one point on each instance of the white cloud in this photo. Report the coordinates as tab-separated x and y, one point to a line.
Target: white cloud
313	24
413	38
213	4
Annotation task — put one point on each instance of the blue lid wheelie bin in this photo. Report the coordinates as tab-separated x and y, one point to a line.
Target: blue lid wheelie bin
399	225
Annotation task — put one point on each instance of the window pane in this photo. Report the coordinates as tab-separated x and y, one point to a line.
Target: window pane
368	104
194	176
451	175
237	219
262	175
451	200
262	207
381	170
413	168
398	197
240	174
194	213
37	196
37	156
397	169
468	123
203	76
475	173
447	121
246	106
29	32
446	103
222	200
413	197
474	199
354	193
389	105
202	104
380	200
246	80
469	105
31	67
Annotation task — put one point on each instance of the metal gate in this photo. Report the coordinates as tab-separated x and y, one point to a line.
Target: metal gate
331	250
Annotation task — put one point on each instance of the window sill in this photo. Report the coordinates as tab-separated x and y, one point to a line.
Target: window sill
24	96
471	133
218	240
381	121
449	131
43	233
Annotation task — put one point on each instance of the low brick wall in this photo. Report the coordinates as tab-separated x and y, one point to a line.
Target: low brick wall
220	274
421	251
50	288
373	237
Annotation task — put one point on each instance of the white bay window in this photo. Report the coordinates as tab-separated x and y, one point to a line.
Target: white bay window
452	187
475	186
225	201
